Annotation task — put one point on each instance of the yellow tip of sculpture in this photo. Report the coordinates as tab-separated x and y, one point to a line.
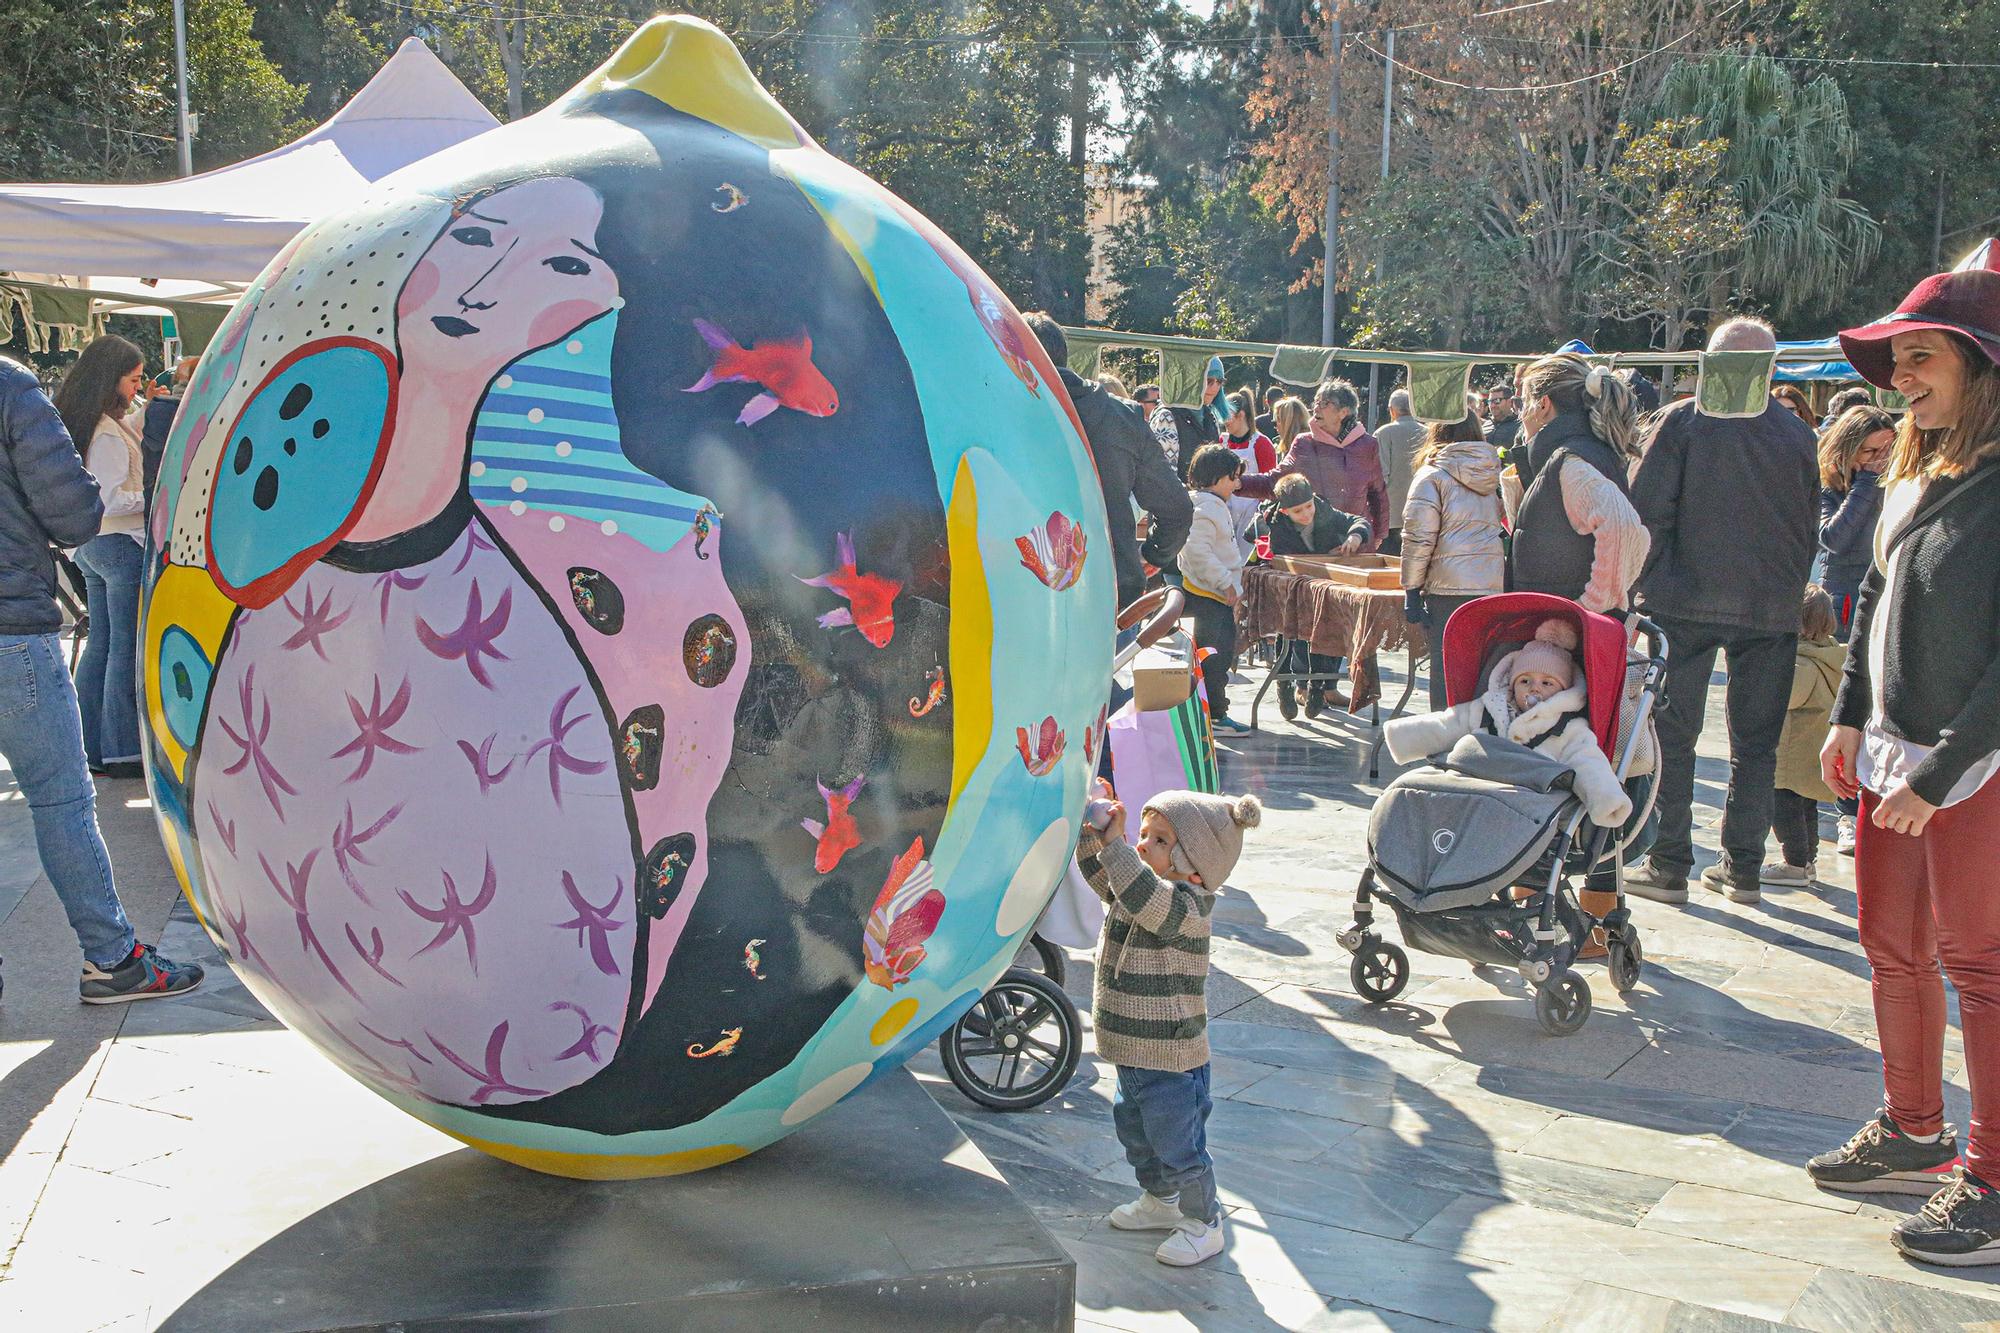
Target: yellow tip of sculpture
691	66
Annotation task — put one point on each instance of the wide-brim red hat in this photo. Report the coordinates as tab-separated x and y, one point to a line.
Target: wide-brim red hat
1967	304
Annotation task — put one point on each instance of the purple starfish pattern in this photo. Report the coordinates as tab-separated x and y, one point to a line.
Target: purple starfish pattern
374	960
293	892
239	930
587	1043
347	846
225	831
475	636
475	542
392	581
381	1072
454	916
596	922
491	1079
400	1043
482	763
256	733
314	623
559	758
374	723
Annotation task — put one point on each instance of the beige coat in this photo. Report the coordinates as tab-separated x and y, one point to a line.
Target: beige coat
1815	682
1453	521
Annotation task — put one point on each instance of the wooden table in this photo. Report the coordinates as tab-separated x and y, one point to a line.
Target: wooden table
1335	620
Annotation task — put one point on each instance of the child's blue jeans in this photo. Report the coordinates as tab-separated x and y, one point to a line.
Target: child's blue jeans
1162	1122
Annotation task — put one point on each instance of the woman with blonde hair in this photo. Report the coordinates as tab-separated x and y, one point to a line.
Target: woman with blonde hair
1577	534
1453	524
1291	418
1916	735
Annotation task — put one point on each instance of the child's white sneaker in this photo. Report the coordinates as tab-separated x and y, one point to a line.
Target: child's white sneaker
1148	1212
1785	873
1191	1243
1843	835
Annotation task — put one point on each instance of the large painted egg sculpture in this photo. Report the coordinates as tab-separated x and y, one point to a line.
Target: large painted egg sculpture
626	628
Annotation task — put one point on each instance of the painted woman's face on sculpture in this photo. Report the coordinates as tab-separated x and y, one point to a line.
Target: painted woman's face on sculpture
512	270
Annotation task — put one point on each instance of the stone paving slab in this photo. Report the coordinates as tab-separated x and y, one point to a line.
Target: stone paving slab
1436	1162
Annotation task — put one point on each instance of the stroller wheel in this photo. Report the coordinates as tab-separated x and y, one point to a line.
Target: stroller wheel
1562	1006
1054	962
1379	971
1626	960
1017	1046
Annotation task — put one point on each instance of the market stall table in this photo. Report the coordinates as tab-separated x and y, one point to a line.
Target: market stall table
1336	620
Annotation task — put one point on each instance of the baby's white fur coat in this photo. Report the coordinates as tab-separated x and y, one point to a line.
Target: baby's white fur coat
1574	746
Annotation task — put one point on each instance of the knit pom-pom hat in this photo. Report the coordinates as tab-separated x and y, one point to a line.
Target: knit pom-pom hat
1208	829
1548	652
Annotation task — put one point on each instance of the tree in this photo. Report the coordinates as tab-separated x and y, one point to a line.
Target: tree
1787	149
1676	252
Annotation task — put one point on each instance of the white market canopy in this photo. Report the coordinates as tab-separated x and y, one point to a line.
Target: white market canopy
206	236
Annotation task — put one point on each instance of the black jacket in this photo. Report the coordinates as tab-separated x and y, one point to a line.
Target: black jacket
1940	631
46	496
159	425
1131	467
1733	509
1330	530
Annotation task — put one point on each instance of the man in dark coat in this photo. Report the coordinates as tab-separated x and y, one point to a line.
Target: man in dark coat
1733	508
1130	467
47	496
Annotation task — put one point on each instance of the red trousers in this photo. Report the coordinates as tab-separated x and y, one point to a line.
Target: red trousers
1922	899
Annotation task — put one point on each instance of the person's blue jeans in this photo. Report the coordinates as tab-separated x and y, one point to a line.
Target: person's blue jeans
106	682
41	738
1162	1123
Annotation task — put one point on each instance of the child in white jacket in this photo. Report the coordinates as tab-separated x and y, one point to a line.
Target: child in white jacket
1536	698
1211	565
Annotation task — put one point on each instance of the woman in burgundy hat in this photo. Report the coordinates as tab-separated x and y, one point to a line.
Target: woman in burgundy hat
1917	735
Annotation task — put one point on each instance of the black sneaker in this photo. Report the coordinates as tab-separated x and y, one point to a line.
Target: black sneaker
143	976
1288	702
1882	1159
1959	1227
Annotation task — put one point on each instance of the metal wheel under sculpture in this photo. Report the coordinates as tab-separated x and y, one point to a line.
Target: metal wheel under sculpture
624	628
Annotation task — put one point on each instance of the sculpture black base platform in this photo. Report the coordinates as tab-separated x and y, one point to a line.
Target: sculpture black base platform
880	1215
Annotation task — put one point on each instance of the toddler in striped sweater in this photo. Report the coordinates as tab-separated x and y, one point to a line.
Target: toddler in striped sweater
1150	1006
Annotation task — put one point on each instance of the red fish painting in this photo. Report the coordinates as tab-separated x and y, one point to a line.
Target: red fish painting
1047	748
1053	552
870	598
839	835
1008	339
906	912
783	367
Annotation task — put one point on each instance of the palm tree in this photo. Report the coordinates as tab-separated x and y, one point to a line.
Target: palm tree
1790	149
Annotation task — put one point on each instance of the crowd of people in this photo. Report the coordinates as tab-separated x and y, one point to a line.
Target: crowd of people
1845	567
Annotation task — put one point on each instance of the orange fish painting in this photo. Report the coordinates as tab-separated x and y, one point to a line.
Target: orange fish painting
1053	552
840	834
1042	754
1007	338
783	367
870	598
905	914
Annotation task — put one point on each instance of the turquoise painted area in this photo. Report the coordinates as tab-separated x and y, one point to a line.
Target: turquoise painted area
1051	658
546	437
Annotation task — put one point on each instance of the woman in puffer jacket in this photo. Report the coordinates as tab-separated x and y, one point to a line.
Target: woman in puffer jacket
1453	525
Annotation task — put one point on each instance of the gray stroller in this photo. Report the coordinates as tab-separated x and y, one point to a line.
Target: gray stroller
1477	851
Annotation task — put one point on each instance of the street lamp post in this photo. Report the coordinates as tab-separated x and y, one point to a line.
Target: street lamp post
183	137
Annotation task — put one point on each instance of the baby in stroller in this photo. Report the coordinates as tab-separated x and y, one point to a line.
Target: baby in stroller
1534	697
1540	775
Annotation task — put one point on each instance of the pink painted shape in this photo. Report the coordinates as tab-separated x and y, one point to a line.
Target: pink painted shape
527	963
664	593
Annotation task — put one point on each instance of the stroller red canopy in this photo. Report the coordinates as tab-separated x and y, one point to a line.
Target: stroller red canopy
1512	618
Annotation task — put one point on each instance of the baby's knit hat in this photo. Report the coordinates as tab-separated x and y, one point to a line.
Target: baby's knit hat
1209	829
1292	491
1548	652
